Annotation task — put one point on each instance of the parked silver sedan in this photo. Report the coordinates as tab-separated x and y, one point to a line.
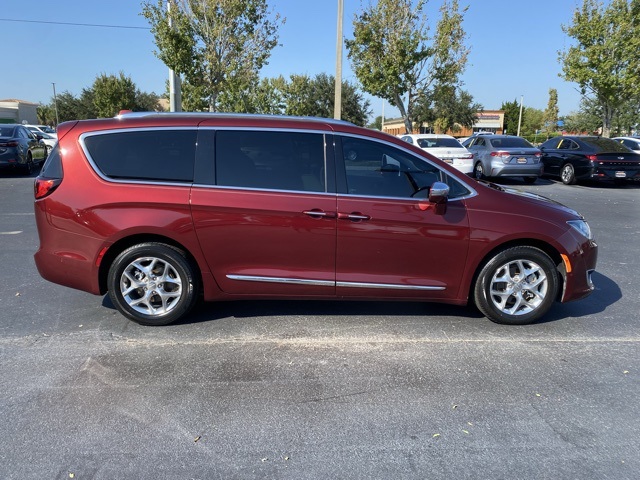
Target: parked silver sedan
504	156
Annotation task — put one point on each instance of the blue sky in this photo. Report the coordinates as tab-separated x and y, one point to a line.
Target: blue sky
514	45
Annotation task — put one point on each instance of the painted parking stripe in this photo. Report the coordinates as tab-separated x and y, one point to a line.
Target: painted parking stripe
11	233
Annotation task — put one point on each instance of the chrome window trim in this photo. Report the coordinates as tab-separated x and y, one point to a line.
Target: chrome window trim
330	283
472	190
255	189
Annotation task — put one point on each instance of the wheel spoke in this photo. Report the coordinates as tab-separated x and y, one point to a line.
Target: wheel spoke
518	287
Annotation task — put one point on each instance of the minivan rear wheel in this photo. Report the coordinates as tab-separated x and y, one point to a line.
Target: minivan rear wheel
516	286
153	283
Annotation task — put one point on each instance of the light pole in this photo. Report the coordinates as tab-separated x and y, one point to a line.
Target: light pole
520	117
55	103
175	86
337	104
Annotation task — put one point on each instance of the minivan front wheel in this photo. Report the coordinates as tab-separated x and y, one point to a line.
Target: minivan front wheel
153	283
517	286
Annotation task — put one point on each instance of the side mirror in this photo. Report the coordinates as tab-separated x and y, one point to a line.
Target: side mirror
438	195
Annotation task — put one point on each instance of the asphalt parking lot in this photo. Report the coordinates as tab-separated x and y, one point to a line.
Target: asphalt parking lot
310	390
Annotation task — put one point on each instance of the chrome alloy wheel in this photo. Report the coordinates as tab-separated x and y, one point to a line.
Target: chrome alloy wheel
518	287
151	286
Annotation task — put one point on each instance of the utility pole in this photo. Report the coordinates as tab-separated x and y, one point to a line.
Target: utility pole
175	92
520	117
55	103
337	105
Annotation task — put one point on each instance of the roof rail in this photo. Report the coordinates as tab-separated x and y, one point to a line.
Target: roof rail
130	114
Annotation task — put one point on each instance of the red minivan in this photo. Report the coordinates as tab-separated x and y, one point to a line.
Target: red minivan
159	210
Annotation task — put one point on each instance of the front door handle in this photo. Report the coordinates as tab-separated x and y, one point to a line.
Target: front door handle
353	216
317	213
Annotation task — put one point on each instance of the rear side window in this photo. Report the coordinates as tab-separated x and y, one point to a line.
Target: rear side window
270	160
157	155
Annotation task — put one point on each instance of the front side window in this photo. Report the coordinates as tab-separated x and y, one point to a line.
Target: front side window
377	169
270	160
156	155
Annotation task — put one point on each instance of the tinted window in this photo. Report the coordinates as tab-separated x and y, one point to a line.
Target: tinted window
377	169
7	131
162	155
272	160
605	145
438	143
510	142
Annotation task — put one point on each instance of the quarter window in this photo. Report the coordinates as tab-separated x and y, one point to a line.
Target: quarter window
160	155
270	160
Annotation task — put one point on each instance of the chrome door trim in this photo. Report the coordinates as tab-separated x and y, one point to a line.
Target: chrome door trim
395	286
291	281
329	283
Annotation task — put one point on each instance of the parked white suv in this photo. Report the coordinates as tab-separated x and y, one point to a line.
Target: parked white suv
445	147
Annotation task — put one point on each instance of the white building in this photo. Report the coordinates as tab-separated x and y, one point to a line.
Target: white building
18	111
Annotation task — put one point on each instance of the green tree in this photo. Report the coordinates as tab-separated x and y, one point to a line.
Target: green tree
395	59
217	45
46	114
604	61
113	93
447	109
532	121
511	116
588	119
146	102
550	119
376	124
306	96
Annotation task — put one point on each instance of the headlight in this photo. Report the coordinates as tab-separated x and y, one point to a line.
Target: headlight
582	227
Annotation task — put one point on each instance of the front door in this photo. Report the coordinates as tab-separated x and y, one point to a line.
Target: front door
391	241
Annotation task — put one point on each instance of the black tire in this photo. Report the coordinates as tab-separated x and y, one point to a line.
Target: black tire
28	166
478	171
504	296
153	283
568	174
530	180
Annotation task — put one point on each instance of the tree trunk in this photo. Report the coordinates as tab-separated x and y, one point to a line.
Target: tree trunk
403	111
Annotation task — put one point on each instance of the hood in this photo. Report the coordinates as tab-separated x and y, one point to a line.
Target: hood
533	198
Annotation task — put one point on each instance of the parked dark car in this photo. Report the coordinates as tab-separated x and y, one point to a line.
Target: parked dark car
504	156
574	158
20	148
159	210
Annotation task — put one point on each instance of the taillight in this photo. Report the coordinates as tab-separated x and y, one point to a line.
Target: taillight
538	155
10	143
592	158
500	154
45	186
